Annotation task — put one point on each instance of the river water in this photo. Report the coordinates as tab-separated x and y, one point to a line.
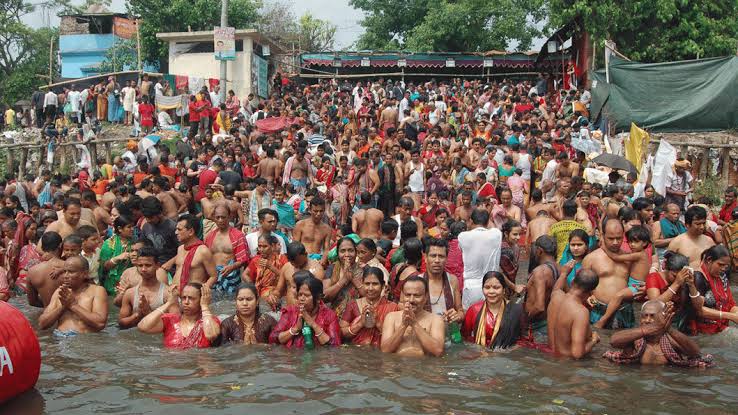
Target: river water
127	372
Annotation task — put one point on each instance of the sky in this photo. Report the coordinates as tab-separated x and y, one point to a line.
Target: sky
338	12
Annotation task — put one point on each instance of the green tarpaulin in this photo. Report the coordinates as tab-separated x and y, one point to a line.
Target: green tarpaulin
698	95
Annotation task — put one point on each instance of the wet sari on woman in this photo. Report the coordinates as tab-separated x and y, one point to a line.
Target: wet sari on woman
175	339
366	335
500	332
325	319
232	330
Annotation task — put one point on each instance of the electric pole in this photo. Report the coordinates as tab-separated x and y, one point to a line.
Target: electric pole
223	63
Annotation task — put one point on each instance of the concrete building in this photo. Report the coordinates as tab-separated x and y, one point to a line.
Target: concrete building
84	40
192	54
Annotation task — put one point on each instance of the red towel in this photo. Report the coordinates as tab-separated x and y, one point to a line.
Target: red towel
184	277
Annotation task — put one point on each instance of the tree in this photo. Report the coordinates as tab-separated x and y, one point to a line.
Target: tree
278	22
122	56
656	31
316	35
449	25
183	15
24	53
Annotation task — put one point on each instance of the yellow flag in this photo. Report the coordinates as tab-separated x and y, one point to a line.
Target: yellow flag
636	146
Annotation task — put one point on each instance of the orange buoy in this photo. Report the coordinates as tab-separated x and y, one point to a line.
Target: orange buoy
20	353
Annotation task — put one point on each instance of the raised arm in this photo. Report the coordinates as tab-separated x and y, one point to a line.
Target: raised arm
52	312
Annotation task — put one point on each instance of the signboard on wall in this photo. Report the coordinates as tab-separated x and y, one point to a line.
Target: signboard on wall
259	76
124	28
224	41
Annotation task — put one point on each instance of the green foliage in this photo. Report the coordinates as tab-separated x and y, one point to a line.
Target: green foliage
449	25
316	35
183	15
656	31
710	188
24	53
122	56
278	22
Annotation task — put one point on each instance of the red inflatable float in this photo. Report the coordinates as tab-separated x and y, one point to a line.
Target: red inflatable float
20	353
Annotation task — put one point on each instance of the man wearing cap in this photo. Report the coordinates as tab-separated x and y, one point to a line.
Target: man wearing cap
679	183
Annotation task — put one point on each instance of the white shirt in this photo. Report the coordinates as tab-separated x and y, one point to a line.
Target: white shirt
252	240
73	98
585	98
549	174
164	119
215	99
480	249
50	99
404	104
396	242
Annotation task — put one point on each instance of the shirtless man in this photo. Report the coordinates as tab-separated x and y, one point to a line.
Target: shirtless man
270	168
367	220
693	242
145	189
298	260
388	117
656	318
565	167
171	208
43	279
536	205
69	221
131	277
413	331
464	210
299	172
613	277
194	260
569	333
102	216
541	283
149	294
313	232
229	248
78	306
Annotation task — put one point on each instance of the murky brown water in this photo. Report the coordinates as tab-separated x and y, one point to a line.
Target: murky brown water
130	373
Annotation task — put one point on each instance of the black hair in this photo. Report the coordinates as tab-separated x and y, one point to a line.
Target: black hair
639	233
547	244
86	231
121	222
151	206
586	279
715	252
674	261
368	244
413	250
438	242
408	229
191	221
262	214
71	201
50	241
569	208
626	214
73	239
295	249
509	225
417	278
148	252
480	217
315	286
373	271
389	226
642	203
694	212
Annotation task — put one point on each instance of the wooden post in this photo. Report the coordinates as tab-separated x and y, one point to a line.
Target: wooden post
23	160
726	163
108	154
92	145
41	158
683	151
11	161
704	163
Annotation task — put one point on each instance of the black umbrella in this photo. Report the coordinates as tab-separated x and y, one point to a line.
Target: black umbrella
615	162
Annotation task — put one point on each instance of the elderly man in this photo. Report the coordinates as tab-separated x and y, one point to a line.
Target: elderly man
78	305
679	183
656	342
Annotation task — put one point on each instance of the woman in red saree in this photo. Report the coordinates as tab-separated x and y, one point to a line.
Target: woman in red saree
194	326
718	306
428	211
263	270
308	312
232	104
324	176
23	252
494	322
362	320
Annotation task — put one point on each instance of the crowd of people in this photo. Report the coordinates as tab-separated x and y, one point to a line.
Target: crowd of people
385	213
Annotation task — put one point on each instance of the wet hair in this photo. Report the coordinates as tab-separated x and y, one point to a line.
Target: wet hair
715	252
569	208
86	231
373	271
413	250
315	286
456	228
295	249
366	198
626	214
548	244
674	261
536	195
50	241
586	279
639	233
441	243
480	217
508	226
581	234
416	278
72	239
694	212
500	278
195	285
262	214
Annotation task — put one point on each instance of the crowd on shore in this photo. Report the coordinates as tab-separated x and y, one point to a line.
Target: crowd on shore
383	213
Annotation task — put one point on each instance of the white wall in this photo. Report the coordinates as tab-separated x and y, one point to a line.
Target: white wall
204	65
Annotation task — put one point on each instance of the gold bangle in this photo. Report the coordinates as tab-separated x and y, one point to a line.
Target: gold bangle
350	331
321	333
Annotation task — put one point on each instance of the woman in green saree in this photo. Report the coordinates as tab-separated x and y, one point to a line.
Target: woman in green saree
114	254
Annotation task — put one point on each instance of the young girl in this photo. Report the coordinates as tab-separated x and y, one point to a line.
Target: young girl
639	239
510	251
